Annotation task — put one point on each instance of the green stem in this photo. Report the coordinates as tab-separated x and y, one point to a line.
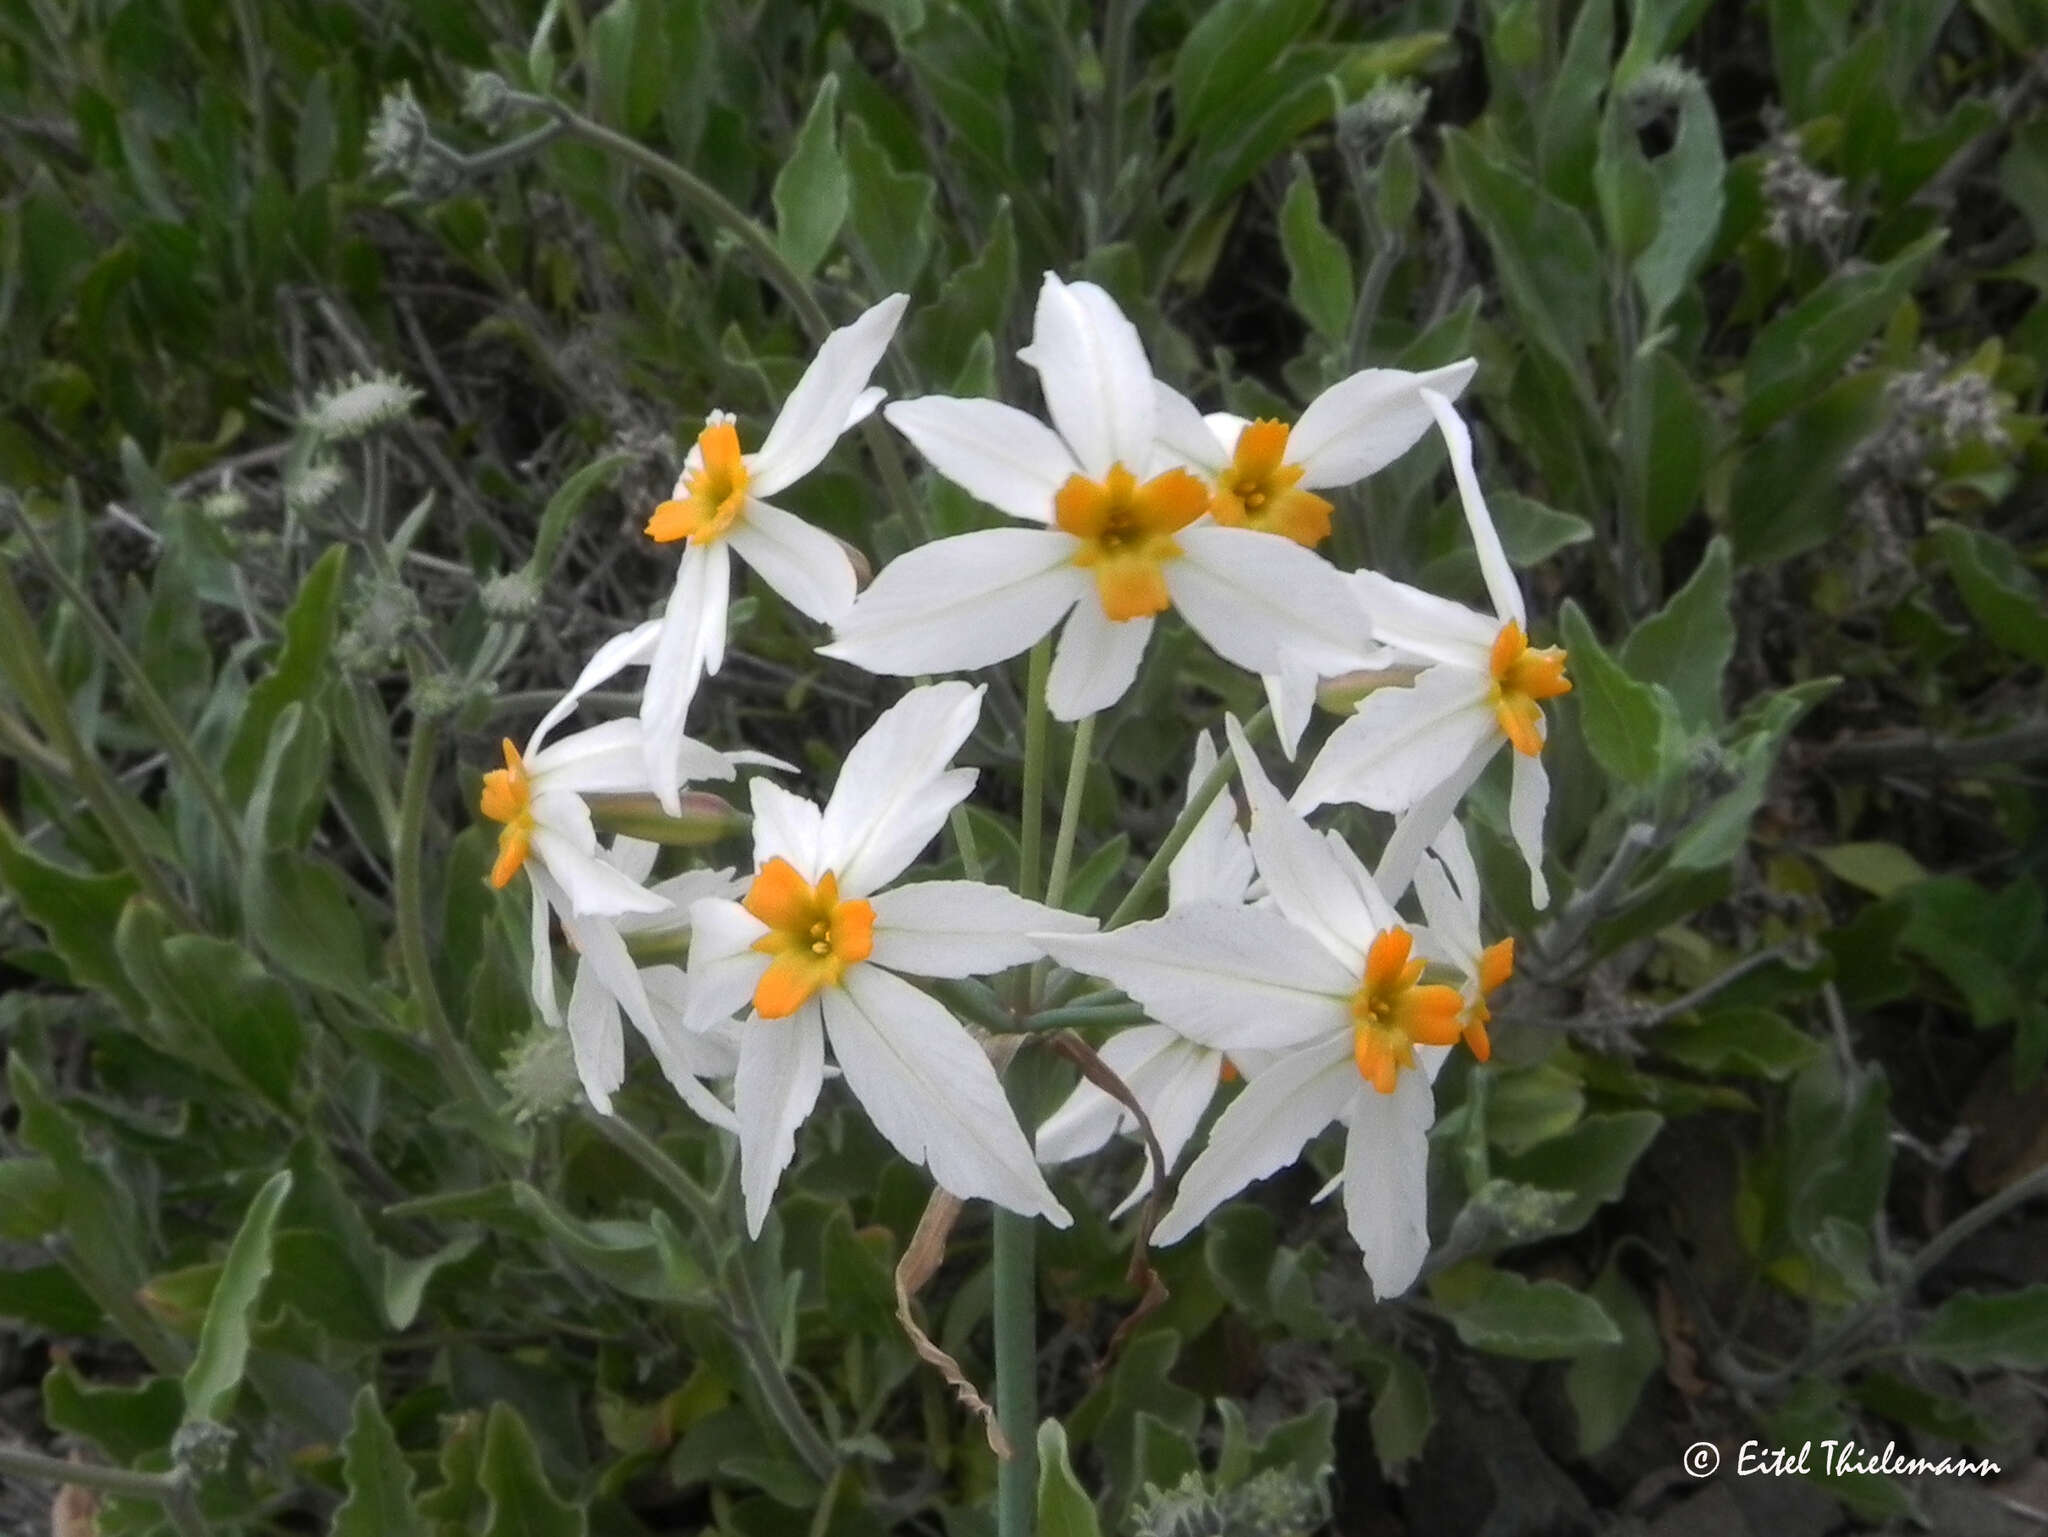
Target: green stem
169	1489
21	657
1016	1324
1200	799
142	693
1032	830
1088	1016
1070	811
748	1321
460	1069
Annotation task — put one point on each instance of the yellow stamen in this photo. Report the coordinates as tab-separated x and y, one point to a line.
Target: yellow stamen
1522	675
812	935
715	496
1126	532
1257	489
508	798
1392	1013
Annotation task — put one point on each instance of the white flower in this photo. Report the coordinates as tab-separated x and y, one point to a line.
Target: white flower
609	981
1328	976
814	948
360	405
1418	749
1173	1077
720	500
1263	475
1448	883
1119	538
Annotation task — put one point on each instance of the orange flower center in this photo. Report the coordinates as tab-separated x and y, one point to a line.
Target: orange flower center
1522	675
812	935
508	798
1393	1012
1126	532
1257	489
715	495
1496	965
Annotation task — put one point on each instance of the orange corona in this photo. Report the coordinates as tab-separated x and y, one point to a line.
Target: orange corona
812	934
1523	675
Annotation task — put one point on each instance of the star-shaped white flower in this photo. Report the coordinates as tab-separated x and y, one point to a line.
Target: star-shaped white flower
815	946
1328	977
609	981
1120	538
1418	749
1173	1077
720	503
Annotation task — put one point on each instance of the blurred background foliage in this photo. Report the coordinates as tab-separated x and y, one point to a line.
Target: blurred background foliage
1757	293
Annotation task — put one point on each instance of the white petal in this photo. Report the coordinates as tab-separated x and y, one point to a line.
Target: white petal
591	886
820	406
1264	1129
1186	439
1423	625
632	649
1224	976
1528	799
1445	913
679	891
593	761
885	805
962	928
786	826
1291	697
1095	662
930	1090
1253	597
961	603
1450	846
1424	822
1092	368
1215	864
995	453
603	954
1501	585
782	1065
687	1059
1312	889
1401	743
1175	1091
693	622
595	1038
806	565
1386	1182
634	858
724	966
1088	1117
541	971
1226	429
864	405
1364	423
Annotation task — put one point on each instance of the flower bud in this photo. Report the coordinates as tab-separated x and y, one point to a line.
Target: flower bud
512	595
487	100
539	1074
1341	695
705	819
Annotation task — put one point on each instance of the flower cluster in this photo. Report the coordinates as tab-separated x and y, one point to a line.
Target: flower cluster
1281	961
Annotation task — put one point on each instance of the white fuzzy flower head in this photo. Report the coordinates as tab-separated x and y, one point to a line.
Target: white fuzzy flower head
360	405
539	1074
314	486
399	135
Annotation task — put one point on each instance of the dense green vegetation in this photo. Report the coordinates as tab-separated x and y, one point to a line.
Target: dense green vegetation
1757	296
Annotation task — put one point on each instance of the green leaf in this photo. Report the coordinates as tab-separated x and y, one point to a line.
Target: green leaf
2000	593
1505	1314
521	1501
1402	1410
1064	1509
77	912
891	210
1319	267
562	508
1786	494
379	1483
100	1216
1809	345
128	1423
1978	940
1669	437
1758	1043
1631	728
1624	186
1591	1162
298	675
1226	53
299	914
1532	1104
629	57
46	1297
1878	868
1687	644
31	1198
810	192
406	1280
1531	532
223	1353
974	302
1977	1330
1604	1382
1687	181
